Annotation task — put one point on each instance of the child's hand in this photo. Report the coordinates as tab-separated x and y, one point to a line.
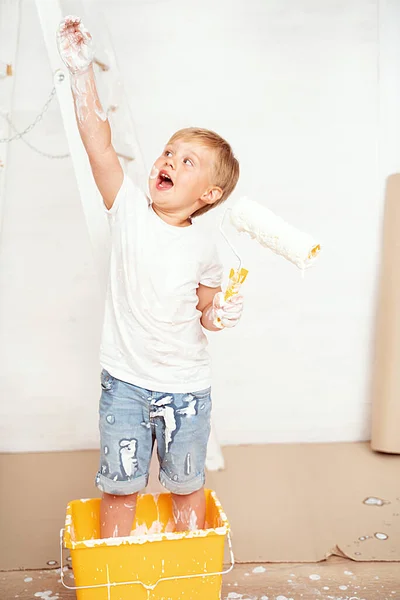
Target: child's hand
74	45
227	313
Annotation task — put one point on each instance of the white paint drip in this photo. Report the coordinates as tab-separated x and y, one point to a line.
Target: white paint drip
236	596
186	515
259	570
188	464
348	573
170	526
193	521
315	577
372	501
154	172
46	595
190	409
343	587
127	451
28	579
140	530
144	539
168	414
84	89
381	536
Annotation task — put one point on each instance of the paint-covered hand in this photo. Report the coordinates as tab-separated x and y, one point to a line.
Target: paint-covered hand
227	313
75	45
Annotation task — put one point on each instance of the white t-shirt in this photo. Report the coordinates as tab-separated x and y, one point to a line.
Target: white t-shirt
152	336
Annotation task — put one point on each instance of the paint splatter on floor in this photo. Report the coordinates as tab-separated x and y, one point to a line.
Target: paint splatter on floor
259	570
47	595
371	501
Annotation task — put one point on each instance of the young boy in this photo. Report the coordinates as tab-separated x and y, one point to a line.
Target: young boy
164	286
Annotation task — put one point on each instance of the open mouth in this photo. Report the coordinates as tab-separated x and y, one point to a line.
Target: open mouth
164	181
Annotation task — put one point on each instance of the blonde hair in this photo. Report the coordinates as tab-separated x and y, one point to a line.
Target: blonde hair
225	169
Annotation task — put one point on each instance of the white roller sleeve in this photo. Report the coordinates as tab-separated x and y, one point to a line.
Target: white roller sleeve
274	233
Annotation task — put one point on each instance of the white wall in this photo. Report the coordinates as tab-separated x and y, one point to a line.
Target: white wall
50	312
293	86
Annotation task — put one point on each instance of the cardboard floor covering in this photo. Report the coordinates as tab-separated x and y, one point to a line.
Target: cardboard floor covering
334	579
286	502
305	502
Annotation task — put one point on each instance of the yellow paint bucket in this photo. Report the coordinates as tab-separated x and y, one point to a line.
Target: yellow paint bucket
155	565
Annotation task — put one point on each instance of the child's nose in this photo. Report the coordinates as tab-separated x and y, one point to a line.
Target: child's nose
169	162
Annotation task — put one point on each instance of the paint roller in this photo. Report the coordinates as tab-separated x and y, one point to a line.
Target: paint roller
270	231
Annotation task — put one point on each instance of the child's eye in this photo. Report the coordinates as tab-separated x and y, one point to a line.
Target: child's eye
168	153
188	161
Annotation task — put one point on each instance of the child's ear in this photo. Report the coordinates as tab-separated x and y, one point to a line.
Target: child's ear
212	195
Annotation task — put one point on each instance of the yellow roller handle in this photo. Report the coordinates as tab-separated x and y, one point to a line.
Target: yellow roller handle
236	278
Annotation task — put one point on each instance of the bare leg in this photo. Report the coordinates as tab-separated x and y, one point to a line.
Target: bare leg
116	515
189	511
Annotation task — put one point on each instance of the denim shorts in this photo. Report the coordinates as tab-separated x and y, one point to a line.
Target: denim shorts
132	418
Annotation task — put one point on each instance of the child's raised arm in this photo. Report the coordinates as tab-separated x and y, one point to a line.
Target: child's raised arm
75	47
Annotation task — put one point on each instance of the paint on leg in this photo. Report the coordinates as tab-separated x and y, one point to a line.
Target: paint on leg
189	511
117	514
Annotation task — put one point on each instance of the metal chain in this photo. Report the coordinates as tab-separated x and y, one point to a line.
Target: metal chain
30	127
20	134
41	152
